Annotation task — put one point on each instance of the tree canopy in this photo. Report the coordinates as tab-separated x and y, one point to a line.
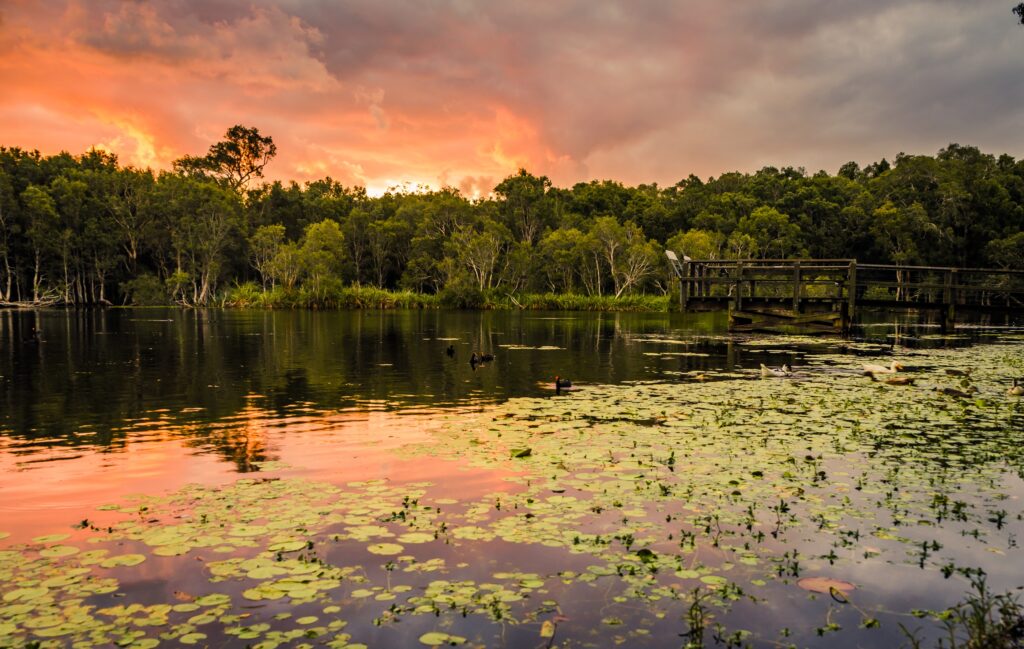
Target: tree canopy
84	229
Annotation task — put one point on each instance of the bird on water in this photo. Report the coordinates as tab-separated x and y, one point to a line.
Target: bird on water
894	367
785	370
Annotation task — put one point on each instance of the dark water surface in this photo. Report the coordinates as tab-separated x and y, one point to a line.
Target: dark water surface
103	405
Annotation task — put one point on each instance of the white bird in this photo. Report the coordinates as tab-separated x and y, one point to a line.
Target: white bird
1016	389
766	371
881	369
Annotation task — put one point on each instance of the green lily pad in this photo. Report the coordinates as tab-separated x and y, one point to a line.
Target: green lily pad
51	538
288	546
123	560
416	537
437	638
58	551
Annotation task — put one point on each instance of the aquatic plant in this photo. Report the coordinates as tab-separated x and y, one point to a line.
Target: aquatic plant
666	505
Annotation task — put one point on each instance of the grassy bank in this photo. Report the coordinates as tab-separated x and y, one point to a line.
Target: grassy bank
358	297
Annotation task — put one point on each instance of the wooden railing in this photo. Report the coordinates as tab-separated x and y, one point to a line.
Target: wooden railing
799	283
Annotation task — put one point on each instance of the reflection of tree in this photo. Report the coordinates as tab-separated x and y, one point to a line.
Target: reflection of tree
215	379
242	441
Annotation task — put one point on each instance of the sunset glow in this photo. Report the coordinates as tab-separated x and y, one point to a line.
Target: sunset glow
461	94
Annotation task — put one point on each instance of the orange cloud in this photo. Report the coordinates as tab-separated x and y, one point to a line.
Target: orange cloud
375	93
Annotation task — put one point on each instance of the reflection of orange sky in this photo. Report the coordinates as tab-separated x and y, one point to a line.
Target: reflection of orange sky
53	488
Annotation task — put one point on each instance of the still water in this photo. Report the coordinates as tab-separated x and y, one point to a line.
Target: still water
356	415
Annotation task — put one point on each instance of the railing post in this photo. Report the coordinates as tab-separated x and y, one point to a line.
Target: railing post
738	298
796	286
951	303
851	290
684	287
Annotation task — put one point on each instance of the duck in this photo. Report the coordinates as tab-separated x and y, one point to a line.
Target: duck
896	380
33	337
562	383
1016	389
959	394
894	367
450	351
956	372
785	370
486	358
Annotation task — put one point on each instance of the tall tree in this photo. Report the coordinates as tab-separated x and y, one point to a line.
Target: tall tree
237	159
523	204
43	231
8	230
264	244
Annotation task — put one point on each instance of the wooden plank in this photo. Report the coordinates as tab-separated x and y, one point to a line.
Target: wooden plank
800	318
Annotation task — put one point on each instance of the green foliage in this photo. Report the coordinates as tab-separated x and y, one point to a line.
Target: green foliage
235	160
75	229
577	302
331	296
145	290
462	295
982	620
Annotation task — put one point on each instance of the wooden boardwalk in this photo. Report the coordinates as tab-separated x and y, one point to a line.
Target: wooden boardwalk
826	295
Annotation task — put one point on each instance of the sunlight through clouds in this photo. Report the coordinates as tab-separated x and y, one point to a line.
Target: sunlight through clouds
451	93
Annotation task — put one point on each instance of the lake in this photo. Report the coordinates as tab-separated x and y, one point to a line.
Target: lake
223	478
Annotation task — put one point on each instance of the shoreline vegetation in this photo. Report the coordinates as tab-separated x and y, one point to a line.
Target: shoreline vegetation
87	231
253	296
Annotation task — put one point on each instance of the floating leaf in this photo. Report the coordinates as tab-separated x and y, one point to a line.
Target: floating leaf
214	599
287	546
58	551
384	548
436	638
51	538
416	537
547	629
123	560
825	585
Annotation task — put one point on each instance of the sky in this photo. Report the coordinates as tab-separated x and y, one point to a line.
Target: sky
461	93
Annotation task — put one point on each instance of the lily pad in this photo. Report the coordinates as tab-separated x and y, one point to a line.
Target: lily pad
123	560
437	638
825	585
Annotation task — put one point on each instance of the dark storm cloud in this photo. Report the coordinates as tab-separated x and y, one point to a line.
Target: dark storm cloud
640	91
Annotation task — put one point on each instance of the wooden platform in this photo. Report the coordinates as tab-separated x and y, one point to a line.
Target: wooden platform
826	295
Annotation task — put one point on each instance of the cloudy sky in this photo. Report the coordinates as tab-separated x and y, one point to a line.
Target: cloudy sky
462	92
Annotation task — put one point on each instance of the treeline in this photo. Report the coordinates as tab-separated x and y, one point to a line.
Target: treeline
85	230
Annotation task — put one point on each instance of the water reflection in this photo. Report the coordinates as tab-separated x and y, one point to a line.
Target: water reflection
146	401
99	379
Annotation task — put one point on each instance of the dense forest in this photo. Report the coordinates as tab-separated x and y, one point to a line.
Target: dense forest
86	230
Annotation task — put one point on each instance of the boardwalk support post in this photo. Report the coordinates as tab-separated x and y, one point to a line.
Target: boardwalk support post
796	287
949	299
851	296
